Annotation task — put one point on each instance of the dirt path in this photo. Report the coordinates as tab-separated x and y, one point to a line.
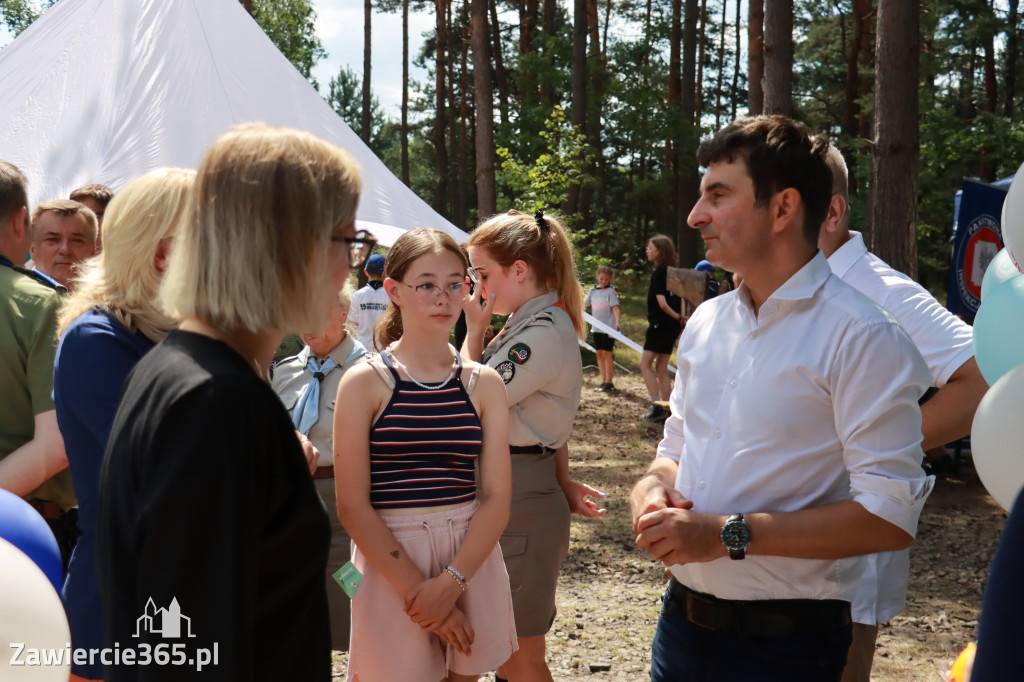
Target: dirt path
609	592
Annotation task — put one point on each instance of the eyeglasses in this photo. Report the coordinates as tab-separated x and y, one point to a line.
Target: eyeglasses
474	272
431	292
359	247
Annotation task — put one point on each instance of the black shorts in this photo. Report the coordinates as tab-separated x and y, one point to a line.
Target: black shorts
603	342
661	336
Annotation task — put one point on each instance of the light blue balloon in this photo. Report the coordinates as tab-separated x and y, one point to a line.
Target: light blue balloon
1001	268
999	329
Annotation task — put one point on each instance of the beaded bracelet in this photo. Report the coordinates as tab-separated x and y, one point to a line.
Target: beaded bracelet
459	578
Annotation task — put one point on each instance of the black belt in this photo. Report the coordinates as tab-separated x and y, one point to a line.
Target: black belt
760	618
529	449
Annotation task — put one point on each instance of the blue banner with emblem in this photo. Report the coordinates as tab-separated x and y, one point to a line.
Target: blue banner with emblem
977	238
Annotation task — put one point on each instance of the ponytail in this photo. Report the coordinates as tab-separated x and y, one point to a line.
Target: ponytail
543	244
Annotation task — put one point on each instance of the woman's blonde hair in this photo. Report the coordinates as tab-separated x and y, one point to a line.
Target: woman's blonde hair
345	296
123	278
406	249
541	242
252	251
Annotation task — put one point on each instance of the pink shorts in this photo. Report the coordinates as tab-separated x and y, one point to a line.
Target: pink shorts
386	645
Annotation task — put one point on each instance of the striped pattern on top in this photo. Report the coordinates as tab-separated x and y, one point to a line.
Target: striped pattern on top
424	447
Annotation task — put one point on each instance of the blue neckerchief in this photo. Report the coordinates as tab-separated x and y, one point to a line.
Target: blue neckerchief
307	410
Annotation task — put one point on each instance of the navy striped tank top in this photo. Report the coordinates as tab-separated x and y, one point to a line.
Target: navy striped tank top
424	446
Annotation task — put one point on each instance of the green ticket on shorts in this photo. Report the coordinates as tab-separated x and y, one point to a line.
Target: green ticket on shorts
349	577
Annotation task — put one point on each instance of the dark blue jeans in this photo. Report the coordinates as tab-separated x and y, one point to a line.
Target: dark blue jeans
684	652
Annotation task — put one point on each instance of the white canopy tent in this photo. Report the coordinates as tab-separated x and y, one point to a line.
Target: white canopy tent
106	90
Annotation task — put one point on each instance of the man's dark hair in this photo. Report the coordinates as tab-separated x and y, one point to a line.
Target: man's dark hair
13	192
779	153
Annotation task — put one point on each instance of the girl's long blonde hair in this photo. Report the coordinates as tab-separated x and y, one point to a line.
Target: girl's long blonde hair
541	242
123	278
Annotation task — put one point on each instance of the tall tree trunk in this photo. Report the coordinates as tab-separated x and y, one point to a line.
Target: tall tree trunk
405	93
440	105
670	208
483	105
457	131
547	90
867	82
500	75
778	57
1011	57
528	77
578	116
985	170
247	4
719	87
736	70
595	109
893	204
686	148
702	32
642	208
860	15
364	129
755	57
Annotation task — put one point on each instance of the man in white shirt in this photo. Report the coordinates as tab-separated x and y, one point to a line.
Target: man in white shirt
945	342
801	452
370	302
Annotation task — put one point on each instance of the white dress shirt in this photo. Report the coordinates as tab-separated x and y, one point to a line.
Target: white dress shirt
946	343
812	401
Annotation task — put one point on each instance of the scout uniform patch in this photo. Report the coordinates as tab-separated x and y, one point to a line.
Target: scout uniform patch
519	354
507	370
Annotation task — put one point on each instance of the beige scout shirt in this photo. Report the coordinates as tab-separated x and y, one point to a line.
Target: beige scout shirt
537	355
291	378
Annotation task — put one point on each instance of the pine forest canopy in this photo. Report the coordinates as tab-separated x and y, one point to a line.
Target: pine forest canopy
598	104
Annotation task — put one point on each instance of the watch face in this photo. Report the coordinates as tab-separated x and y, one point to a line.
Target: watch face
735	535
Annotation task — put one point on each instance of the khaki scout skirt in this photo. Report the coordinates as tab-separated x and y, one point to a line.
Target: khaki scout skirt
535	541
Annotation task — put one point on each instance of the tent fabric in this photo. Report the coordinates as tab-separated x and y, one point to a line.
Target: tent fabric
106	90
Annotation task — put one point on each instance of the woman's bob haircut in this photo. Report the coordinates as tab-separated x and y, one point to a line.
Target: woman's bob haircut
252	251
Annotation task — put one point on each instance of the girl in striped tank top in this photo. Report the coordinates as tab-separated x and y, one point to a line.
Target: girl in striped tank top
423	483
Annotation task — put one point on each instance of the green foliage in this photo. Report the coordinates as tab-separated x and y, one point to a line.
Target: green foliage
291	25
345	95
543	182
952	149
16	15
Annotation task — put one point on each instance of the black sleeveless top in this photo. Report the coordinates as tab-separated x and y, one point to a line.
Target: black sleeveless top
424	446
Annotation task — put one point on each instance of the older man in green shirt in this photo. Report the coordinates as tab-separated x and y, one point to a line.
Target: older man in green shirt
32	459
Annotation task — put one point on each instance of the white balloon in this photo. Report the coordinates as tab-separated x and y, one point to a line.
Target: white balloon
997	438
1012	220
31	614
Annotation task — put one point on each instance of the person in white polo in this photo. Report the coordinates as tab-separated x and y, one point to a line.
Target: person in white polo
945	342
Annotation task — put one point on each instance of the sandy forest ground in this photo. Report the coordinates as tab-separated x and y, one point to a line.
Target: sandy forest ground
609	592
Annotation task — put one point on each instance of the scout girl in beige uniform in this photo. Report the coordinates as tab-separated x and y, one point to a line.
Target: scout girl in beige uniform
523	266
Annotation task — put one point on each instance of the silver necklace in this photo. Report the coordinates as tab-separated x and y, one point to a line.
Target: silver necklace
429	387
